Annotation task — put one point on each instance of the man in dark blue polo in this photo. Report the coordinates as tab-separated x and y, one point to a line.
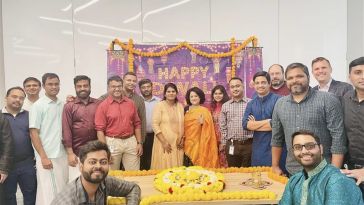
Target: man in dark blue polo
23	172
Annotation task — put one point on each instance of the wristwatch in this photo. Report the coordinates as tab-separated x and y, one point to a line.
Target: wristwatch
140	143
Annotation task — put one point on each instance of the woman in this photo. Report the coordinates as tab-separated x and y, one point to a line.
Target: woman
200	140
218	97
167	122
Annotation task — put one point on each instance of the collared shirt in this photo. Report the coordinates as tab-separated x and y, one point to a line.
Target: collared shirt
319	112
75	194
326	87
231	119
46	116
27	105
117	118
149	105
78	123
261	108
20	129
282	91
354	126
325	184
140	106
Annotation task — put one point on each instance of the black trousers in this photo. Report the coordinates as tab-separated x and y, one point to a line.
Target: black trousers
146	158
242	153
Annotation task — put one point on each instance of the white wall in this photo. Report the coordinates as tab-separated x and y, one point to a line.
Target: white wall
2	76
70	37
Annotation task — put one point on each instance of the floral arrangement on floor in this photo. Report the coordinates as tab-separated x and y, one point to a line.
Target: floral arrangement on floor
194	179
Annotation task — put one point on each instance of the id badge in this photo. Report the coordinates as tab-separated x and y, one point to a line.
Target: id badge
231	150
112	148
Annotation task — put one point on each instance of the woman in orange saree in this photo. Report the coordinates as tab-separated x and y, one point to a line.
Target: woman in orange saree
200	144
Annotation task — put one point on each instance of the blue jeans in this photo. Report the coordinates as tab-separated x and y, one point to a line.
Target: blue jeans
23	173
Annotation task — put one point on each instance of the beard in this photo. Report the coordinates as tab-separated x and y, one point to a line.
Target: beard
83	94
316	160
87	176
298	88
277	82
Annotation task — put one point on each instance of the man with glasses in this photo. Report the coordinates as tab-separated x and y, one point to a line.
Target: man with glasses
118	125
318	182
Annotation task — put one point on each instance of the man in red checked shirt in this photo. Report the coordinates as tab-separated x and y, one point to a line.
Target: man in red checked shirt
117	123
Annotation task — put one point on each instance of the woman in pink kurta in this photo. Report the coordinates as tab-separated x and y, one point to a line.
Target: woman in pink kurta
218	97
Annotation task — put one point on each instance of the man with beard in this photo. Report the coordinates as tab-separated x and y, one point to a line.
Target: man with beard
307	109
78	122
94	186
146	89
318	183
32	88
236	141
278	85
45	124
353	104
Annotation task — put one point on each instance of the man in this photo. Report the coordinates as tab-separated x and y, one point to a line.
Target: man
308	109
353	105
278	85
129	85
23	172
78	121
6	153
117	123
236	141
257	117
319	182
146	89
94	186
321	70
32	88
45	123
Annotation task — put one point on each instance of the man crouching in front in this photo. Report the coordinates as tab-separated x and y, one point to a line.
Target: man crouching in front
94	186
319	183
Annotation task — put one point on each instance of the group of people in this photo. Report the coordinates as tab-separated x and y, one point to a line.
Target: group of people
296	129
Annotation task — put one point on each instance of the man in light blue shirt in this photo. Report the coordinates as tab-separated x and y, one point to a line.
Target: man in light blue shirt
45	123
146	89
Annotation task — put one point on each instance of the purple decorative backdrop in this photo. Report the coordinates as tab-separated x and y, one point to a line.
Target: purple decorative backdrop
186	69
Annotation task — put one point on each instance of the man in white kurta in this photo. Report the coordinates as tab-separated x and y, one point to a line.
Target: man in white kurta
45	123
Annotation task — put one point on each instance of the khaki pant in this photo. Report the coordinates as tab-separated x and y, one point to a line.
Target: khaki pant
123	150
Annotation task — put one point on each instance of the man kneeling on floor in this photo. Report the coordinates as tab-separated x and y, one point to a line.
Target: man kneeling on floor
319	182
93	186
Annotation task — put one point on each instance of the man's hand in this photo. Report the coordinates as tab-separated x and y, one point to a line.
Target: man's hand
47	163
358	174
139	149
277	170
251	118
3	177
72	160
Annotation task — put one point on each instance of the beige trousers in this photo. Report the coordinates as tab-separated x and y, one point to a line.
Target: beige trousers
123	150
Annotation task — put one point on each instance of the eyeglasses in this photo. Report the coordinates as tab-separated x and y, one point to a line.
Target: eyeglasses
308	146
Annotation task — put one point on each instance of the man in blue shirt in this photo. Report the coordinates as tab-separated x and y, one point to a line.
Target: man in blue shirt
23	172
257	117
319	182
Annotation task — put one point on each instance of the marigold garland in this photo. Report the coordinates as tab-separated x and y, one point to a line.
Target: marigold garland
192	196
131	51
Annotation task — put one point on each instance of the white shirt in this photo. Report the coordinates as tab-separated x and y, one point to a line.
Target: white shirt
326	87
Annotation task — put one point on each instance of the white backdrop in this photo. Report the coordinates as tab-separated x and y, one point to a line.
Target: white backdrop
70	37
